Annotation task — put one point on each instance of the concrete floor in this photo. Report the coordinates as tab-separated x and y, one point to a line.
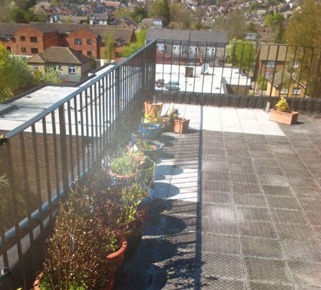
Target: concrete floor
237	206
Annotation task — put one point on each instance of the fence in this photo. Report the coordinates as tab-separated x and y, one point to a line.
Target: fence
238	74
41	158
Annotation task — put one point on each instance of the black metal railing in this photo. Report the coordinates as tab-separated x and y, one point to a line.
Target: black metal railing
41	158
238	74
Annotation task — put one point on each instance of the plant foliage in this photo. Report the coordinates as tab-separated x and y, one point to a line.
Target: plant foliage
283	105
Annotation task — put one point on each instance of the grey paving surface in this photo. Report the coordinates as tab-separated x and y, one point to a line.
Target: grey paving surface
238	206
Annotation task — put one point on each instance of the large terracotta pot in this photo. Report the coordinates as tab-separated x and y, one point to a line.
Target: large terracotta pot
283	117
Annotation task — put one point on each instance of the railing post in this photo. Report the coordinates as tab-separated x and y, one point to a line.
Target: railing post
117	92
63	148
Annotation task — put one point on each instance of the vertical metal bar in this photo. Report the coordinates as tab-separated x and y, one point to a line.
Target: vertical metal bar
82	97
71	149
104	113
56	158
3	244
11	178
88	145
95	119
63	148
117	92
92	124
37	174
47	167
316	77
310	67
77	136
100	114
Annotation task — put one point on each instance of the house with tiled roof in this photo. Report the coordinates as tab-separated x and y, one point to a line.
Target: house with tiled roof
71	65
284	84
272	59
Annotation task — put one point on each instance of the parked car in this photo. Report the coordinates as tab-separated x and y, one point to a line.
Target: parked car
172	86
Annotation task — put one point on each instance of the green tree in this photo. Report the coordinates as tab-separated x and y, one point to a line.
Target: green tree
276	22
234	23
160	8
49	77
15	75
304	27
241	54
138	14
133	47
303	34
109	46
181	15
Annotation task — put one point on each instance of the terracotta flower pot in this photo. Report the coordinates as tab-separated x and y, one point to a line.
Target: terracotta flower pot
181	125
283	117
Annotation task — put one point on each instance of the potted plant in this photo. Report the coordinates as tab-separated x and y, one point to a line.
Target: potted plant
152	113
124	209
150	130
282	113
130	167
82	253
151	148
146	172
168	118
124	168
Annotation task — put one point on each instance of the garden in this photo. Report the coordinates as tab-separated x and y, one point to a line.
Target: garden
100	223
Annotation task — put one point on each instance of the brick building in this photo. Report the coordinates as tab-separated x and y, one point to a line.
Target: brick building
31	39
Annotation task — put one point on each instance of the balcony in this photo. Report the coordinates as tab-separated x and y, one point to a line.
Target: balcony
237	197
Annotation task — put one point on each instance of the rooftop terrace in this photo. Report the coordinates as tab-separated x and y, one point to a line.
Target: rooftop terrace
238	208
236	199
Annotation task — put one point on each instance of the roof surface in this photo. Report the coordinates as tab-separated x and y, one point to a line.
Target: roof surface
58	54
274	52
186	35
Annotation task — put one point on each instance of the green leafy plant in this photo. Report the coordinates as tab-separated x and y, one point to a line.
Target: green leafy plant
119	207
77	251
144	145
283	105
126	163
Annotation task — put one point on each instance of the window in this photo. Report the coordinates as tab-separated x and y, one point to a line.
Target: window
22	38
89	53
89	42
161	47
8	48
72	70
268	74
33	39
284	91
60	67
78	41
294	64
192	49
35	66
270	63
23	49
34	50
176	48
296	91
210	50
